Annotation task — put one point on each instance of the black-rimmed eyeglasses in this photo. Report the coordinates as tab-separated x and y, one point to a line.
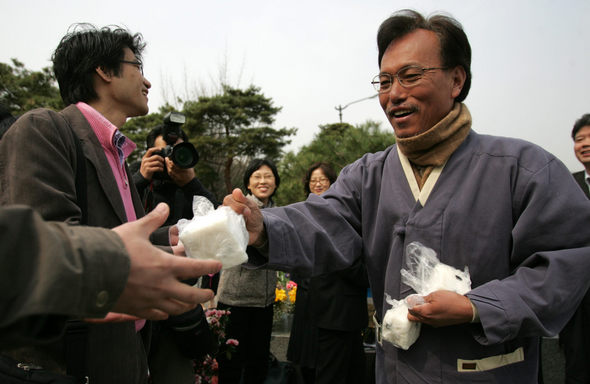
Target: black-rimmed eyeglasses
408	77
137	63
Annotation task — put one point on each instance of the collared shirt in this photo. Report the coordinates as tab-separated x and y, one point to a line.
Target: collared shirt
587	179
116	153
116	148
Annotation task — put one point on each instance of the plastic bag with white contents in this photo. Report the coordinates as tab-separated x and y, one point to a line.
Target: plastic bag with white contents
218	234
396	328
425	274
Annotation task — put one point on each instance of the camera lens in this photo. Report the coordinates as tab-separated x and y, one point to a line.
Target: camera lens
184	155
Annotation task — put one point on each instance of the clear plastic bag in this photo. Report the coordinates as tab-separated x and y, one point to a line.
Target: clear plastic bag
396	328
425	274
218	234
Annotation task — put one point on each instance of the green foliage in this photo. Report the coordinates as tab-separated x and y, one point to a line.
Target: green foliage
337	144
229	130
22	90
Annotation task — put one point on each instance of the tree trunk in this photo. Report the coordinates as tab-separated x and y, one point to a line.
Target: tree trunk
227	174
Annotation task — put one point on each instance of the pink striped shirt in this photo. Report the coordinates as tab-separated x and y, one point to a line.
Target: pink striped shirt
104	131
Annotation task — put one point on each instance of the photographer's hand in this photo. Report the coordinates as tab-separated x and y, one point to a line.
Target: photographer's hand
151	163
180	176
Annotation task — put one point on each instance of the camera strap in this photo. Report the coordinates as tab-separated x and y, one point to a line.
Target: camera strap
81	193
76	334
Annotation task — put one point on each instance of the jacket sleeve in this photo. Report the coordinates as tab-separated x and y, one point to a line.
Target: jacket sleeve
321	234
53	271
550	260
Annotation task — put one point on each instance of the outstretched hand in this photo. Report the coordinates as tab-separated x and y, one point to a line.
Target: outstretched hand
153	289
252	215
442	308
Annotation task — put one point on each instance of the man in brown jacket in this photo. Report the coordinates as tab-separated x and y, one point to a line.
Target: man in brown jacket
70	166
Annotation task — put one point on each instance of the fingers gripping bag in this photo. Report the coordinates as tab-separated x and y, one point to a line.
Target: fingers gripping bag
218	234
425	274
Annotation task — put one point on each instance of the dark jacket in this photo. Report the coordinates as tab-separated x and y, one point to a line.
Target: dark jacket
179	199
579	176
38	168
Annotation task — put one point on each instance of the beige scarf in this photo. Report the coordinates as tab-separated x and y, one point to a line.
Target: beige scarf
433	148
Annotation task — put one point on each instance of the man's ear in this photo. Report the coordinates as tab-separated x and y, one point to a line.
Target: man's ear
459	76
104	74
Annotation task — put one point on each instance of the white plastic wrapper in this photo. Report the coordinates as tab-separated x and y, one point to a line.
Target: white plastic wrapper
397	329
218	234
425	274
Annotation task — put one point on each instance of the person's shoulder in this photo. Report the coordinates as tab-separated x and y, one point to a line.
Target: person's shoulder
33	120
522	152
38	115
370	161
45	123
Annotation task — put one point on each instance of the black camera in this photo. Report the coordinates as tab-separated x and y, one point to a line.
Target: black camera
183	154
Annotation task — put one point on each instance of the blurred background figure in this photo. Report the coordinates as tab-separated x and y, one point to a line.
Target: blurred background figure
250	294
326	343
575	336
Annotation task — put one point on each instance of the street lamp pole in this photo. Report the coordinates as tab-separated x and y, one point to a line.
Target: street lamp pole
339	108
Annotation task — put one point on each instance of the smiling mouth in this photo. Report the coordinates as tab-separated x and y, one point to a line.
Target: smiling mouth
401	113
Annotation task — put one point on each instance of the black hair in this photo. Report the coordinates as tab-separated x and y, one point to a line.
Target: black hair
85	48
454	45
254	166
581	122
158	130
325	167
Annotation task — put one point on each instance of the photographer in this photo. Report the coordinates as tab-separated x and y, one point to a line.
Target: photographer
166	174
159	179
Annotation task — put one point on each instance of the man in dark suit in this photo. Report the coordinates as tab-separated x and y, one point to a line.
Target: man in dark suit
575	336
70	166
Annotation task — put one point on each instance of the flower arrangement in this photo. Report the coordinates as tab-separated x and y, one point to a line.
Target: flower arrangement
207	369
285	294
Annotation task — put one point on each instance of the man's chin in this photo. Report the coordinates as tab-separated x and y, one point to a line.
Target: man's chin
405	133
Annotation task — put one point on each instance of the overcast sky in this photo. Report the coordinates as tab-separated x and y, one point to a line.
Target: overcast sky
531	73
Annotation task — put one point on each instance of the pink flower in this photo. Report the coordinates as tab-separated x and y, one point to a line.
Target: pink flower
291	284
210	312
233	342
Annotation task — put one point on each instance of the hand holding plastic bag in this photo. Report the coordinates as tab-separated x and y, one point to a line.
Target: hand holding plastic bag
425	274
397	329
218	234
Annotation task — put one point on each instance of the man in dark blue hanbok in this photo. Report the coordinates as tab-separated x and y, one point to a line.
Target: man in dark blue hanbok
505	208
